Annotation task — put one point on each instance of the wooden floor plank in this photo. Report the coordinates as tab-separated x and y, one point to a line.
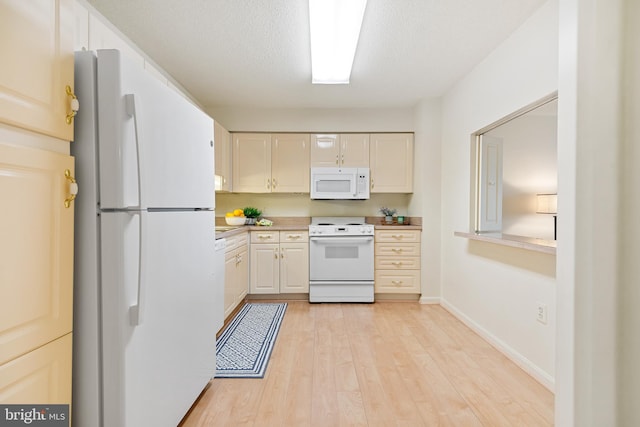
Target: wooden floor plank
383	364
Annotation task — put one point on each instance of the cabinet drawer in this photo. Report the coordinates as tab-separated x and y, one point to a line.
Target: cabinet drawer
294	236
236	241
265	237
397	263
404	281
397	249
399	236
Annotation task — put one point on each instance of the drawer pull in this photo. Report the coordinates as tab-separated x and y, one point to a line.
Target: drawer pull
293	236
397	282
396	250
262	236
397	263
397	236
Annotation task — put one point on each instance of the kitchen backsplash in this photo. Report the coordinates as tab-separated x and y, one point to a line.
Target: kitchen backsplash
301	205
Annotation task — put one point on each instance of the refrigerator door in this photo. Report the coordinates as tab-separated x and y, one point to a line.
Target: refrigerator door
155	147
163	264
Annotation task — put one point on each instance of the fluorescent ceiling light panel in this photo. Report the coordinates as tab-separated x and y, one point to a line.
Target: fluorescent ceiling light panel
335	28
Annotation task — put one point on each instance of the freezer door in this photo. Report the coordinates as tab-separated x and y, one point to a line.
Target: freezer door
155	147
158	314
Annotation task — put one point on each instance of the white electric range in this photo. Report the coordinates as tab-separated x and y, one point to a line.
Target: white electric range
341	260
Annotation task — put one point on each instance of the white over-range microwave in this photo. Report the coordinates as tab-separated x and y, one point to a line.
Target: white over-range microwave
340	183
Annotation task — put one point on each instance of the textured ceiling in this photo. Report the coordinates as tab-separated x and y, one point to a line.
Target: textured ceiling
255	53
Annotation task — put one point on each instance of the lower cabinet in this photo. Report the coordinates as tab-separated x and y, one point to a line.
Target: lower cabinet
397	261
236	272
279	262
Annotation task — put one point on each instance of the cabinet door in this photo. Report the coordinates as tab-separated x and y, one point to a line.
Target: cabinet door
391	162
290	163
325	150
265	271
42	376
222	139
242	275
294	267
251	163
37	53
354	150
230	278
36	249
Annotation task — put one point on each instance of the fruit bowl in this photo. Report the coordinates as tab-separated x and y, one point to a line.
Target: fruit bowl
234	220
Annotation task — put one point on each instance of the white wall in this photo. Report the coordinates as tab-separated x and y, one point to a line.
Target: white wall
598	380
425	200
314	120
496	289
629	296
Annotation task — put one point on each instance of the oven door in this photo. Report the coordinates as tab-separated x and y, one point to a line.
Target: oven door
341	258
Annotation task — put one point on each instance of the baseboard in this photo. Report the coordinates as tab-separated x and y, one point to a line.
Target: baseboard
525	364
397	297
429	300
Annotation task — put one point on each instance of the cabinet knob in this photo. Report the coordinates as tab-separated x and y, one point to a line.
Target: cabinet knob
73	188
74	105
275	253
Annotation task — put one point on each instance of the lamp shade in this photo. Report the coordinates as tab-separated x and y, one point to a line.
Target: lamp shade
547	204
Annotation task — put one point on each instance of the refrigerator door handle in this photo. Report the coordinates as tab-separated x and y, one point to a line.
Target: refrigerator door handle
130	107
136	311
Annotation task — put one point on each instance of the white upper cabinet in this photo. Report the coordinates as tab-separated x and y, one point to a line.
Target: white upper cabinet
222	139
251	162
265	163
37	53
290	163
391	160
340	150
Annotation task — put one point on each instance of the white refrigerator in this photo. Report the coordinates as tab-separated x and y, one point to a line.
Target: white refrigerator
146	302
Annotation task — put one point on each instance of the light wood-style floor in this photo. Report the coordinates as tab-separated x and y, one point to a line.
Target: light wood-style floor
381	364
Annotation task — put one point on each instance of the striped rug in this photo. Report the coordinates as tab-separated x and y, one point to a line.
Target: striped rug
243	349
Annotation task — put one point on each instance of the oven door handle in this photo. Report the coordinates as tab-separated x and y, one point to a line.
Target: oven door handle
347	240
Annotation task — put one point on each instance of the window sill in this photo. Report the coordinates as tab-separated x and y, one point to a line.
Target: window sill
522	242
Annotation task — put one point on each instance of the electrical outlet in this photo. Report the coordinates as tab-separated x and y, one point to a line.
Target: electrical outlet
541	313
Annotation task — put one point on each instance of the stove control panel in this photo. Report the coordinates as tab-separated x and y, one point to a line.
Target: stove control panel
342	230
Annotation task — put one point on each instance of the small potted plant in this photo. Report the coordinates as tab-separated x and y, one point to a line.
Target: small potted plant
388	214
251	214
